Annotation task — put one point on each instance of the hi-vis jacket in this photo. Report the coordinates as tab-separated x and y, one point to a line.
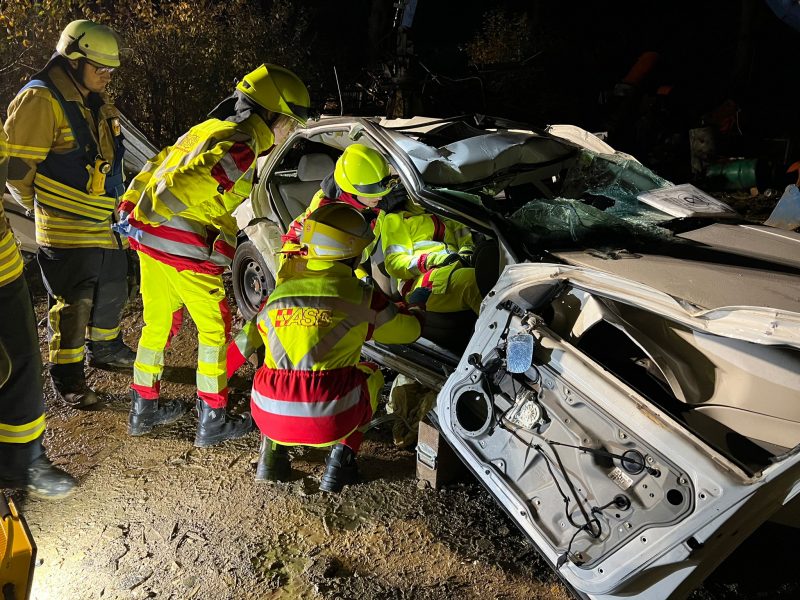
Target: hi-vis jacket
310	389
55	139
409	237
10	258
179	207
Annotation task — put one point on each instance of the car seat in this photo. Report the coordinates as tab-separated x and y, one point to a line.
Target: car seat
311	170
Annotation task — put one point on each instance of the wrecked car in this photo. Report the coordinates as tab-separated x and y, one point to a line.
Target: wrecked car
630	393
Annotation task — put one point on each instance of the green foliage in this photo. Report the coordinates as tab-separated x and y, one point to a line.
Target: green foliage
185	56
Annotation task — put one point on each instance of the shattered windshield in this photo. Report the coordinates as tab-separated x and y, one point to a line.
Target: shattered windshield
596	205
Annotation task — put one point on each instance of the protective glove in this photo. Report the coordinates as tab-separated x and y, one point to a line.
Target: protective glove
466	256
125	228
394	200
419	296
439	259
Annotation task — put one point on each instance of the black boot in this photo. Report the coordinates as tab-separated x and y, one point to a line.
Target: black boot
215	426
273	461
146	414
69	384
340	469
110	354
26	466
48	481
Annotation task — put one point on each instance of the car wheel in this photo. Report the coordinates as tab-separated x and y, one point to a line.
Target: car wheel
252	279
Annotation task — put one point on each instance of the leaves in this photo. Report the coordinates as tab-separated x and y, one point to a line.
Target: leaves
186	55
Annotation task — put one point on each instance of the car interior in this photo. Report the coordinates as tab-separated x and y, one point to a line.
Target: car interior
295	180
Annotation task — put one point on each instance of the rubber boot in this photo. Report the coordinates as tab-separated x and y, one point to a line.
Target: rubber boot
26	466
215	426
146	414
340	469
112	354
69	384
273	461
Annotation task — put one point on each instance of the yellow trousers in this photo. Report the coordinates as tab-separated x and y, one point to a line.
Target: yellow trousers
165	292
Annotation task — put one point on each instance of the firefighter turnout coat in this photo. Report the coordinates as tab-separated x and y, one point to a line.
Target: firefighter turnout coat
56	141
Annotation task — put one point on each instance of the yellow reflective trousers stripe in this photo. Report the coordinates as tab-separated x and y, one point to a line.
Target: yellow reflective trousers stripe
22	434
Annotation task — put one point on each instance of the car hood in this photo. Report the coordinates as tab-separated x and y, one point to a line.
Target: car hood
746	304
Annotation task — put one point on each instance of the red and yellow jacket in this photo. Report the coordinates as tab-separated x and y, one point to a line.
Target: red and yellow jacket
179	206
309	389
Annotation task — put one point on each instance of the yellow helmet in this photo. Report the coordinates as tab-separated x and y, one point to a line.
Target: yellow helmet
335	231
278	90
362	171
93	41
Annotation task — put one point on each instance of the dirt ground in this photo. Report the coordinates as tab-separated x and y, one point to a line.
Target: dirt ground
157	518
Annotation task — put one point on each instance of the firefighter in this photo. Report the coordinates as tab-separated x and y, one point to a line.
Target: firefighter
66	166
423	250
23	462
311	389
361	179
177	214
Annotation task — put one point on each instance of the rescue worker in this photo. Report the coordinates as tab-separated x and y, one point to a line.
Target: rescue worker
23	462
66	166
423	250
311	389
177	214
361	179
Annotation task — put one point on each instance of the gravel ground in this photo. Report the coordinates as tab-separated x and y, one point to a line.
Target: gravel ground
157	518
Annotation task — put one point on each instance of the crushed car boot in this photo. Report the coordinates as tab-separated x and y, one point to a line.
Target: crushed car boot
146	414
110	354
341	469
69	384
215	426
273	461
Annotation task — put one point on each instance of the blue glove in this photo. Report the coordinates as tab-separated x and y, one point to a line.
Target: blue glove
419	296
125	228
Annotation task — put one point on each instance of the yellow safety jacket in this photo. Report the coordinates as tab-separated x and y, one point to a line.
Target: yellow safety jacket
50	173
179	207
10	258
409	237
313	326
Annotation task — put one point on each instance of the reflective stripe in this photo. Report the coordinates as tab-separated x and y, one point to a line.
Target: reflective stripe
146	356
211	354
56	187
385	315
397	249
248	339
65	356
165	195
312	410
325	345
276	349
32	152
425	244
211	383
21	434
98	334
11	265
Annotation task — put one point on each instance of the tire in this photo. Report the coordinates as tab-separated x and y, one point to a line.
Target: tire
252	279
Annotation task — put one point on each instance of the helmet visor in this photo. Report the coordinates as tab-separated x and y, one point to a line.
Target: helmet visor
384	186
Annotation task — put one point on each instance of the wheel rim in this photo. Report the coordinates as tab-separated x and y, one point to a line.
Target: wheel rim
255	284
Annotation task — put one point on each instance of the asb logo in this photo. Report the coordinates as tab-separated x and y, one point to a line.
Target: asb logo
303	317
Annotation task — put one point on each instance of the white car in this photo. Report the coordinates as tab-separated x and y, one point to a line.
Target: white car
630	393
